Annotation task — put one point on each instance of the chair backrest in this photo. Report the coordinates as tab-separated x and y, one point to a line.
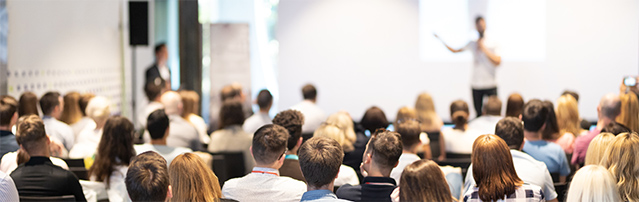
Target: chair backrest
562	190
74	162
434	143
457	156
555	177
77	167
228	165
47	198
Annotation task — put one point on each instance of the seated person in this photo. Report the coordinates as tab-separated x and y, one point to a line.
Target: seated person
147	178
158	127
89	138
292	120
52	105
181	132
38	176
459	139
257	120
231	137
320	159
264	182
8	118
491	114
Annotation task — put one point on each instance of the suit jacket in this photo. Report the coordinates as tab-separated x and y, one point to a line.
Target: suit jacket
291	168
152	72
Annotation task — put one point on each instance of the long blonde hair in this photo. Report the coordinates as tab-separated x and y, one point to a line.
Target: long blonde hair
622	161
344	122
629	115
593	183
192	180
336	133
190	103
405	113
597	147
71	112
425	109
568	115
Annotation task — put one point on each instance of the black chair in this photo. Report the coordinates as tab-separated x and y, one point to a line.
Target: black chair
228	165
434	143
47	198
457	156
77	167
562	190
555	177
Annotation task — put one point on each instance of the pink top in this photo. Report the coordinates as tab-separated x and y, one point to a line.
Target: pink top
567	142
581	146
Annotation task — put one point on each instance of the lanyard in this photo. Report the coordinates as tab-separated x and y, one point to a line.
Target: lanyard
265	172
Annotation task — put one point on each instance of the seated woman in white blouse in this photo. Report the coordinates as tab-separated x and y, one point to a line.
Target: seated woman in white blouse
98	109
459	139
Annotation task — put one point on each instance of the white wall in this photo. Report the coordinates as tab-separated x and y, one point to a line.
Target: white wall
361	53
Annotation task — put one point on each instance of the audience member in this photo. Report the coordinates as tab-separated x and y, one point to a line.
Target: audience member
374	118
408	113
264	182
529	170
535	116
459	139
88	140
491	114
409	132
71	113
232	91
8	118
38	176
8	191
381	156
191	103
264	101
158	127
629	115
320	161
514	105
292	120
597	148
347	174
113	157
568	123
621	160
192	180
147	178
423	180
85	121
584	124
313	115
28	104
231	137
593	183
355	143
431	124
181	132
607	111
52	105
153	91
494	172
551	129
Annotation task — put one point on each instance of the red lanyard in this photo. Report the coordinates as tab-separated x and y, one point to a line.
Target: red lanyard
265	172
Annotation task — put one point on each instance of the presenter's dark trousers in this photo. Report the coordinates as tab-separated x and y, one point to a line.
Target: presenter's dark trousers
478	98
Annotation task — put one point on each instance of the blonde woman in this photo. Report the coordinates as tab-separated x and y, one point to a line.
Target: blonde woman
192	180
622	161
343	121
431	124
568	122
347	174
87	141
629	116
597	147
407	113
191	107
593	183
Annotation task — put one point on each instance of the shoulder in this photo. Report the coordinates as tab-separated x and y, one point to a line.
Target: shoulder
348	191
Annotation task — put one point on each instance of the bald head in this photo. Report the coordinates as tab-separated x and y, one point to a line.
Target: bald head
610	106
172	103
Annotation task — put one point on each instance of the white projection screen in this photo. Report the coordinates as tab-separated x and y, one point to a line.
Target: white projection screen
360	53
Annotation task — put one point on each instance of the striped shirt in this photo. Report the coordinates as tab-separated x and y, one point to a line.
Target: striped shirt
526	192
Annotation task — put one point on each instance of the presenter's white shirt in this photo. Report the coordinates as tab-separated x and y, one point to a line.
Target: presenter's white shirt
313	115
483	75
256	121
264	184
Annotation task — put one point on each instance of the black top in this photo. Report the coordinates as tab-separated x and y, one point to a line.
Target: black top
354	158
373	189
39	177
152	72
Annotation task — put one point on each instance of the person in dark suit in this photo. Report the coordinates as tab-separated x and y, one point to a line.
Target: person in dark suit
160	68
292	120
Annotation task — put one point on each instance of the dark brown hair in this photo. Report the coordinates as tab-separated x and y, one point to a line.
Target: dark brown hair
28	104
514	105
409	130
459	113
423	180
493	106
320	159
115	148
8	107
231	113
374	119
147	178
534	115
84	101
493	168
264	99
385	147
309	92
154	88
269	143
292	120
511	130
49	101
551	132
30	133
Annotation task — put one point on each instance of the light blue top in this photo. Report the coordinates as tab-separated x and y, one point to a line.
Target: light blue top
549	153
320	196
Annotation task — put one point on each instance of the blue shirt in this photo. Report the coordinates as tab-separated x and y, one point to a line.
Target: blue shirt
7	142
551	154
320	195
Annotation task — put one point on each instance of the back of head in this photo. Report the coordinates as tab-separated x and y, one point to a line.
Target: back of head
231	91
568	115
309	92
31	135
511	131
154	89
405	113
344	122
493	106
264	99
615	128
157	123
8	107
71	112
172	103
320	159
159	48
385	147
425	108
193	180
84	101
269	143
629	115
571	93
621	160
610	106
28	104
534	115
423	180
459	112
231	113
514	105
493	168
409	130
49	101
551	131
597	147
115	148
593	183
98	109
190	101
335	133
292	120
147	178
374	118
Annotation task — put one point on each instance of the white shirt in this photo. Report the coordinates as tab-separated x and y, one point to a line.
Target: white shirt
256	121
346	175
83	123
484	124
169	153
483	76
233	139
9	162
258	186
117	190
59	131
200	126
404	160
8	190
148	109
460	142
313	115
182	134
164	72
86	144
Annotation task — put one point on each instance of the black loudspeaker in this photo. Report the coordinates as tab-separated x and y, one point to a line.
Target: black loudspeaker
138	23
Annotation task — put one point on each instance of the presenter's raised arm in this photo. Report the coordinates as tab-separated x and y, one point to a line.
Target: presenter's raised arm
449	48
492	56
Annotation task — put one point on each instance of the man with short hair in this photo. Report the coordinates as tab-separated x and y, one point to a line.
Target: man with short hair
381	156
52	105
292	120
181	132
264	182
153	91
313	115
534	117
38	176
531	171
158	127
160	68
147	178
320	160
409	131
257	120
491	114
8	118
607	111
